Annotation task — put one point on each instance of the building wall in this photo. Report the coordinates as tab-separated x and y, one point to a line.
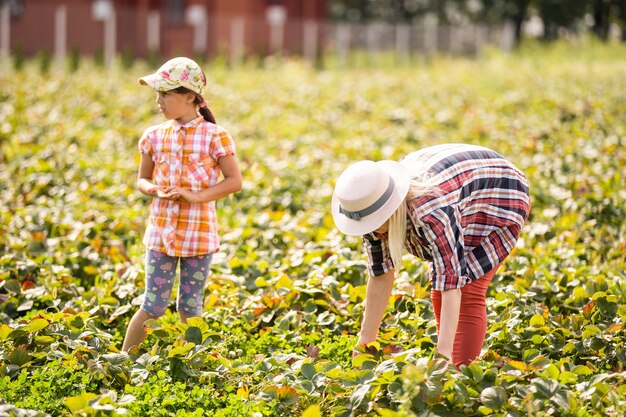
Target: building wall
33	31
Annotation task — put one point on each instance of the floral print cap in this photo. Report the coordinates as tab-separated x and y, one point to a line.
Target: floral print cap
177	72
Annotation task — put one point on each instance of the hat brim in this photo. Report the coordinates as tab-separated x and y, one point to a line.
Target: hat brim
152	80
159	83
370	223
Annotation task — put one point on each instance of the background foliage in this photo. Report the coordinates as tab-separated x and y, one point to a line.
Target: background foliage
283	304
573	16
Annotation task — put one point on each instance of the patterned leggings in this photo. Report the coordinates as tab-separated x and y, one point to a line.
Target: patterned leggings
160	274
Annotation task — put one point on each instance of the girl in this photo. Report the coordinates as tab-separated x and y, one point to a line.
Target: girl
460	207
181	160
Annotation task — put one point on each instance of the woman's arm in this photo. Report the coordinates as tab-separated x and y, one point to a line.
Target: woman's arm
376	301
230	184
450	309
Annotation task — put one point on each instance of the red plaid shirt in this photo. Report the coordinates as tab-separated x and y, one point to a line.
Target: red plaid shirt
184	156
471	226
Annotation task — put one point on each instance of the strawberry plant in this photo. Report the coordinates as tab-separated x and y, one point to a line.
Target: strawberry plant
284	301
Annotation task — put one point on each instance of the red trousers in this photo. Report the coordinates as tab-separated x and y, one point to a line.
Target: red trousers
472	328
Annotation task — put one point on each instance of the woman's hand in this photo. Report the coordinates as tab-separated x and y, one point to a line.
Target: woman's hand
444	354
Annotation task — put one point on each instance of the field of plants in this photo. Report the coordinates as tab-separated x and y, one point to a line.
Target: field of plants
284	302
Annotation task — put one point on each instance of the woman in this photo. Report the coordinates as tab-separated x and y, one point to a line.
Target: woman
460	207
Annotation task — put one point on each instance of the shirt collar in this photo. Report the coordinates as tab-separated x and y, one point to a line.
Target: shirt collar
192	123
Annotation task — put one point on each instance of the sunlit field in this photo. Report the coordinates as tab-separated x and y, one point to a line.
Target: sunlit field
284	301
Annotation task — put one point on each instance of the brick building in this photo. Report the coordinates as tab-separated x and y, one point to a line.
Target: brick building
166	27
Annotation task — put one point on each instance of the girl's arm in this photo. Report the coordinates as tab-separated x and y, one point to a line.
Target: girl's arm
450	309
144	179
376	301
144	176
230	184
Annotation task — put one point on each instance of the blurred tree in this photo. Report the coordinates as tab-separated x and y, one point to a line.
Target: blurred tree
601	18
555	14
499	11
621	17
606	12
397	10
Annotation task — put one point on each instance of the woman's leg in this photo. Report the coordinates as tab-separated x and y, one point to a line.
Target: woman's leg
160	274
194	272
472	327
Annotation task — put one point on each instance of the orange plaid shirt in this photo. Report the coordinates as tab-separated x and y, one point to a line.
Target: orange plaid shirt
184	156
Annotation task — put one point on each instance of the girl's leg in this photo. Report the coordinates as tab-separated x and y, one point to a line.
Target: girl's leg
472	327
194	272
160	274
135	333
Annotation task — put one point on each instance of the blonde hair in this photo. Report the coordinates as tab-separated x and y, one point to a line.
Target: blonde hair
419	187
397	234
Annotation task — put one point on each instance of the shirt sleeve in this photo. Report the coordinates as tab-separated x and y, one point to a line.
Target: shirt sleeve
443	230
377	249
145	142
222	144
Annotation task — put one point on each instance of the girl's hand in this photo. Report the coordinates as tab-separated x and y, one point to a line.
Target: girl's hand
163	193
152	191
178	193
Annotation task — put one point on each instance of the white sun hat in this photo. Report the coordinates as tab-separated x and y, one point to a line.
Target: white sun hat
367	193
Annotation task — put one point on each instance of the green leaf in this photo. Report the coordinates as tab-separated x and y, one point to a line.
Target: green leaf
116	358
283	282
568	378
537	320
13	286
308	371
80	402
539	362
261	282
287	395
17	333
199	323
582	370
19	356
325	318
193	335
591	331
485	411
358	396
333	373
476	372
607	308
180	350
545	387
26	305
494	397
551	372
35	325
312	411
5	330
